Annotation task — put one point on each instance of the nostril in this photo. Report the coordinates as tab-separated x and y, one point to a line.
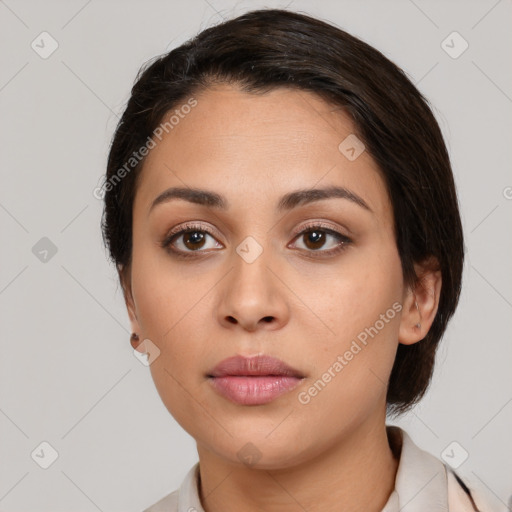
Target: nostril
268	319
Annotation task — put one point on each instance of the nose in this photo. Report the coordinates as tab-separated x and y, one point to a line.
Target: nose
253	297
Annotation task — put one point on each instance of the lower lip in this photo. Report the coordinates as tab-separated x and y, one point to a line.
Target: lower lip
255	390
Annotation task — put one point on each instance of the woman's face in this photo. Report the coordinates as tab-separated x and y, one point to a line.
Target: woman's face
245	281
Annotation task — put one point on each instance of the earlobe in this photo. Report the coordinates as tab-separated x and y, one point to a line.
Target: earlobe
420	303
134	340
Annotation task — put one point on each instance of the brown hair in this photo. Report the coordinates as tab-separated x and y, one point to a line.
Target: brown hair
270	48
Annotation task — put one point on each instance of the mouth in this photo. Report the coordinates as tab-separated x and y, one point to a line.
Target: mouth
256	366
253	381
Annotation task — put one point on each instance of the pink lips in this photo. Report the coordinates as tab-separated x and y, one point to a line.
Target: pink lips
255	380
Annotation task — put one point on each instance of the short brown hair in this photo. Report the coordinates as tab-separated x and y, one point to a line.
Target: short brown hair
270	48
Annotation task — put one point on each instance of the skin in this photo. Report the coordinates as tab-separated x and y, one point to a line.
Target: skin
290	303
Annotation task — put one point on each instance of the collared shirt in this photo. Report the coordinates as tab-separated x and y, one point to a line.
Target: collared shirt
423	483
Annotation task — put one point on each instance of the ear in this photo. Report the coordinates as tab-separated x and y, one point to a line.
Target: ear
126	284
420	302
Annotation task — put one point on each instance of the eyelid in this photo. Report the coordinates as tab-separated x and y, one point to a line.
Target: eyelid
189	226
320	224
204	227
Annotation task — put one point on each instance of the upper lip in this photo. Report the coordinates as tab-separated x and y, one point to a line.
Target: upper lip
256	365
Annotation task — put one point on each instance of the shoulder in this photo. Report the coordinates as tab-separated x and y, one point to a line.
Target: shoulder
464	495
168	503
440	485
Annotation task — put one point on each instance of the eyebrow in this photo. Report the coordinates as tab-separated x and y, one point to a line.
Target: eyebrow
286	203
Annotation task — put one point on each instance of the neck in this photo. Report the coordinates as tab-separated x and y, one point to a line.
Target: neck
339	478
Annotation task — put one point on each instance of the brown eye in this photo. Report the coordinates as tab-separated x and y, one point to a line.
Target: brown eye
189	240
322	240
193	240
314	239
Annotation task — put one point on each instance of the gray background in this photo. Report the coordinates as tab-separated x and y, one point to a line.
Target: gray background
67	372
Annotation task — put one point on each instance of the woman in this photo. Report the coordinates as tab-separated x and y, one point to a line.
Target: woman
280	206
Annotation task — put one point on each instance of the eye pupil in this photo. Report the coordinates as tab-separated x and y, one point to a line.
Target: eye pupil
194	238
316	238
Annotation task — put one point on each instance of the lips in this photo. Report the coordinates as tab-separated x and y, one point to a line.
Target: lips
260	365
253	380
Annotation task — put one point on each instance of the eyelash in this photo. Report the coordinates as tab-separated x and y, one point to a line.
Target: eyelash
166	243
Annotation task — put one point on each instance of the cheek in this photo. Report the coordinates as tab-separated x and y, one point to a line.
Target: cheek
172	313
172	308
352	359
165	293
352	296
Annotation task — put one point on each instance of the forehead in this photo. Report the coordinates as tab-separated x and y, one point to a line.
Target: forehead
251	147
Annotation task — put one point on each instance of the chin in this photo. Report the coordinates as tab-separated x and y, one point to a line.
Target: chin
259	452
